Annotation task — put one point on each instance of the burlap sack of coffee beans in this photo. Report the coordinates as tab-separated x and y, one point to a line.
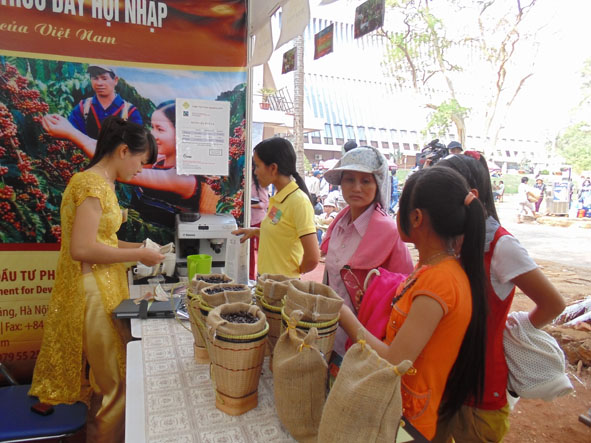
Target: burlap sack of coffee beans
201	281
217	324
318	302
219	294
274	287
299	379
365	403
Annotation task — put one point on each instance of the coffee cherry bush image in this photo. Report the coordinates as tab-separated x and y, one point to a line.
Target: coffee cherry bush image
34	168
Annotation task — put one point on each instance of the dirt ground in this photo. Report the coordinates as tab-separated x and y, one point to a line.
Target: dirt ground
556	421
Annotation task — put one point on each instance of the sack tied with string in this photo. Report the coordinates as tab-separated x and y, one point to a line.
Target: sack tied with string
365	402
318	302
299	378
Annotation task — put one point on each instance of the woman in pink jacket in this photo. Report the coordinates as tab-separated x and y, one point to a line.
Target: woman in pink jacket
362	236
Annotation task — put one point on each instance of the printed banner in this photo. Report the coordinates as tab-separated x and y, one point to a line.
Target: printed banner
323	42
148	53
289	61
173	32
25	288
369	16
45	105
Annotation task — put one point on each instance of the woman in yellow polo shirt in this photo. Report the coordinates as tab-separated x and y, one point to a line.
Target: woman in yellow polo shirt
287	234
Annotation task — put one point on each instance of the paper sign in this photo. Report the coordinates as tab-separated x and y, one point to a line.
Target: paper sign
202	136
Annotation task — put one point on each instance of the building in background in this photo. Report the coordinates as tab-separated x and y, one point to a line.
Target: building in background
348	96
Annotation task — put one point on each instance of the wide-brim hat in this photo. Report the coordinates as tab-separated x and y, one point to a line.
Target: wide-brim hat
104	68
330	200
364	159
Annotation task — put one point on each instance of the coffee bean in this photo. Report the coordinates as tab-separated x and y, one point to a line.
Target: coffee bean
239	317
213	279
215	289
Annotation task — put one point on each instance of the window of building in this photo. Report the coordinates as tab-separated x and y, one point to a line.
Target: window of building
403	133
406	146
306	138
350	132
338	133
327	134
362	136
508	153
394	134
316	137
373	137
516	153
415	147
384	138
396	146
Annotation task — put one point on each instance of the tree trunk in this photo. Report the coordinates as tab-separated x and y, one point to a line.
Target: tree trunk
461	127
298	116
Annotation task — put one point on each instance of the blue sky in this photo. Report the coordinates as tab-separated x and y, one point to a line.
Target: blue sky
163	84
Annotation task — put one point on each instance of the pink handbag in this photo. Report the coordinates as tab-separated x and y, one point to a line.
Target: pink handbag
376	304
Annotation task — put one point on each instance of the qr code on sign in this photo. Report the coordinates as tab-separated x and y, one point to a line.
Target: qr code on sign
185	113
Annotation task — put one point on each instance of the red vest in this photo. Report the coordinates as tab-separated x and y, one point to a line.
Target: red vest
495	378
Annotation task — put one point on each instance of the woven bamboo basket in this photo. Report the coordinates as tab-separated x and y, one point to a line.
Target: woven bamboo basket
237	352
198	329
199	309
327	332
270	292
199	282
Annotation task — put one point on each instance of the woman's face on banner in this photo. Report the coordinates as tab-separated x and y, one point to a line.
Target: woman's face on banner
164	132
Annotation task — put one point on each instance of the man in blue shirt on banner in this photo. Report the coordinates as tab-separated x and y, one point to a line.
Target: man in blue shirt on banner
88	115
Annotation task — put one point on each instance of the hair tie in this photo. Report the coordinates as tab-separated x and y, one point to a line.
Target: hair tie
469	198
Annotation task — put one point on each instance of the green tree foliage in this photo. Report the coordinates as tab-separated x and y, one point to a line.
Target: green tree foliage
437	48
574	144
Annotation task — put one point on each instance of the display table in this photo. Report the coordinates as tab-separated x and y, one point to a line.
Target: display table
171	398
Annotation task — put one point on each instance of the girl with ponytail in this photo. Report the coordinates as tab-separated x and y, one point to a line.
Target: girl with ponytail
288	243
507	265
438	316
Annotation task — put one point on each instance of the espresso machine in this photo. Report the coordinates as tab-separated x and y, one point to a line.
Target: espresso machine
211	234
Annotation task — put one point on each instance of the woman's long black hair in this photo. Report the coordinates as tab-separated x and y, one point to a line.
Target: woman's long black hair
441	192
115	131
280	151
169	109
476	174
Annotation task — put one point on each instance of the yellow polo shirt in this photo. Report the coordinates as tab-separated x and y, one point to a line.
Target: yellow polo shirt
289	217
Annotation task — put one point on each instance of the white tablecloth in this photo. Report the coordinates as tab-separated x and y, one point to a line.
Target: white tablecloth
179	398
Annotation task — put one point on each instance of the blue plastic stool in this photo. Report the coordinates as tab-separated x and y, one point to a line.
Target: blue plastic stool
19	423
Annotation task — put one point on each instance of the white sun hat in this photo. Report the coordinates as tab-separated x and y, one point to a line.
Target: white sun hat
364	159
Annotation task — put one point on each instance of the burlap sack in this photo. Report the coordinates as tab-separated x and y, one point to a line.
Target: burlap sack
299	378
364	404
273	288
318	302
216	324
201	281
229	295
